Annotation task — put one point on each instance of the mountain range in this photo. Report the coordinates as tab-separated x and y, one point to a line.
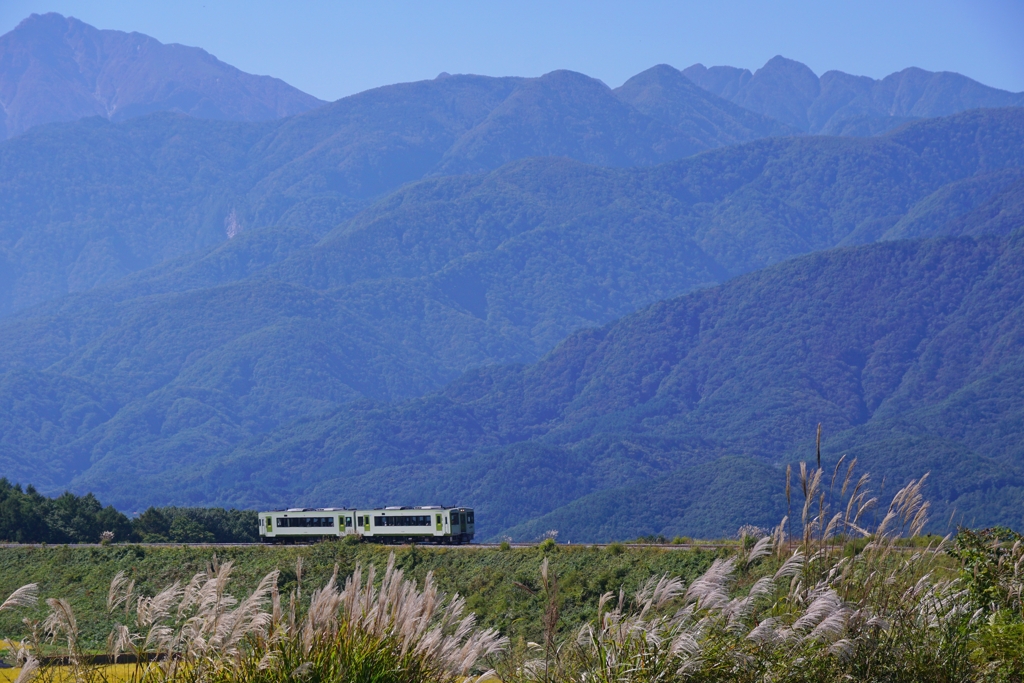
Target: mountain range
92	201
203	360
553	300
838	103
909	353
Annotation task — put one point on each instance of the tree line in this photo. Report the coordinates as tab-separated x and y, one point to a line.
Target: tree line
27	516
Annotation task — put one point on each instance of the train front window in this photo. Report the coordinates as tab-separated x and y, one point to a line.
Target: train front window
469	518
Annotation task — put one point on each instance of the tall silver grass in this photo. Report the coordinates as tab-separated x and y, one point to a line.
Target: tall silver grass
820	616
423	622
26	596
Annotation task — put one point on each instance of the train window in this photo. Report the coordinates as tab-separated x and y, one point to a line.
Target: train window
402	520
469	518
455	518
348	521
303	522
359	521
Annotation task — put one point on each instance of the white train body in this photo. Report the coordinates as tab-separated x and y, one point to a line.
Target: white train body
426	524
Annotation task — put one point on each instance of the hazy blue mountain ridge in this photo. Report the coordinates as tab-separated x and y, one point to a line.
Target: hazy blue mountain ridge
92	201
54	68
908	352
840	104
170	370
667	95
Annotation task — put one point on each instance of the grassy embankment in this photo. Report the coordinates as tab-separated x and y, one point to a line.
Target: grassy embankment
487	578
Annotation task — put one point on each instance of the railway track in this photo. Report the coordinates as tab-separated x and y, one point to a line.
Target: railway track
710	545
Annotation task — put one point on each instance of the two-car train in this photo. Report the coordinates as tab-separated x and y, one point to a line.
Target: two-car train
425	524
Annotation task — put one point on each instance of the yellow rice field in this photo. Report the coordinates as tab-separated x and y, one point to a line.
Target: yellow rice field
113	673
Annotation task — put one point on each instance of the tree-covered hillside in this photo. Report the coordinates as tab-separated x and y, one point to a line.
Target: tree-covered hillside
180	365
908	353
89	202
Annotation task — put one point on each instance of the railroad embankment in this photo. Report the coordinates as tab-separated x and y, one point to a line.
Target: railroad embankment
501	585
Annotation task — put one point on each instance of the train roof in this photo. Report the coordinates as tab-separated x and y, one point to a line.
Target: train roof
389	508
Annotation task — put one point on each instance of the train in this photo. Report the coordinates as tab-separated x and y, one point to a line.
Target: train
423	524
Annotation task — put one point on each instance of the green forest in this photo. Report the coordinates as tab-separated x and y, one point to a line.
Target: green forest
26	516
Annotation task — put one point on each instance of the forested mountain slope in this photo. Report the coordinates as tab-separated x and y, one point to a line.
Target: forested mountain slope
55	68
840	104
909	353
177	366
89	202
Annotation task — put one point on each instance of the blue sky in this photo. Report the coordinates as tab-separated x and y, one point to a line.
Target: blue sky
333	49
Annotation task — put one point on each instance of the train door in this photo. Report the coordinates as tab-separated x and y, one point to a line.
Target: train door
462	522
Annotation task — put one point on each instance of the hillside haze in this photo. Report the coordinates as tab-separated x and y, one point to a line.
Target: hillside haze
55	68
840	104
909	353
181	367
90	202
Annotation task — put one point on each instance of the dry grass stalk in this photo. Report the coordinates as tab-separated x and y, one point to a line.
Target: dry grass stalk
26	596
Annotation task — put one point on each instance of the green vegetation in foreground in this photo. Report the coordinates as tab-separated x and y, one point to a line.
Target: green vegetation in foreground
487	578
772	609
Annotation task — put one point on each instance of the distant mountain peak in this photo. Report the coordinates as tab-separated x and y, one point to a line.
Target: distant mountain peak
838	103
57	68
667	95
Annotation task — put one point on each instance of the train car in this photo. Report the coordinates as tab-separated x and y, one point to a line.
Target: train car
305	525
424	524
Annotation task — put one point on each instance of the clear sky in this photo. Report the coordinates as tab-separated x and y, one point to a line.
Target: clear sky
336	48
